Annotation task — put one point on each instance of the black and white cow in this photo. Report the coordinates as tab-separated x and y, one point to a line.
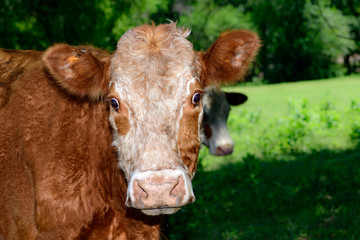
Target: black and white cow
216	111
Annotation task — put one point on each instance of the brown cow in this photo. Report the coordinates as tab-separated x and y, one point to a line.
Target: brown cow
73	166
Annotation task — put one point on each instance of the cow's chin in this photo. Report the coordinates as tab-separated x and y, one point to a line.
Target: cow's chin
159	211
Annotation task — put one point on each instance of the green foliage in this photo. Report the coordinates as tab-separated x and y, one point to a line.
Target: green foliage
208	20
329	115
305	128
301	39
38	24
295	132
139	13
329	27
355	122
301	122
298	44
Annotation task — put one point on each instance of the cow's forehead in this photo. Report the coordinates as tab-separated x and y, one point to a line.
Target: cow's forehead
152	68
215	102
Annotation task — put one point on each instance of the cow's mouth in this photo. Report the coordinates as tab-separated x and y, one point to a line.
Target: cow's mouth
160	211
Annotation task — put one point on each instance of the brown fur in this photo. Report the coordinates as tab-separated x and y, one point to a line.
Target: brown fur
59	174
121	116
88	65
14	62
12	65
189	145
122	121
229	57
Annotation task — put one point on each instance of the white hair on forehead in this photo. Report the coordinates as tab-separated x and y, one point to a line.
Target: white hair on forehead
171	27
146	90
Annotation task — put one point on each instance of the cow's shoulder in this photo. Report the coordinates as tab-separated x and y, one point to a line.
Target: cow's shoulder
14	62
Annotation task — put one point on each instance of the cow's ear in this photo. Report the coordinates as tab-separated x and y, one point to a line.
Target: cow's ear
228	59
235	99
82	71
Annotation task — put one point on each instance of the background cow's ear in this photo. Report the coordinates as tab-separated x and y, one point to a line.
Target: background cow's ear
82	71
235	99
227	60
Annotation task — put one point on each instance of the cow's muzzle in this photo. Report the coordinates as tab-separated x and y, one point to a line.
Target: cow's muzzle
159	192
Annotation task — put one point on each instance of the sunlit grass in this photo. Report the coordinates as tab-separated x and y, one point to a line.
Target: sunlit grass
272	99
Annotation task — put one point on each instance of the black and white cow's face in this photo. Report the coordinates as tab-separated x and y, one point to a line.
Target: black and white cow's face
216	111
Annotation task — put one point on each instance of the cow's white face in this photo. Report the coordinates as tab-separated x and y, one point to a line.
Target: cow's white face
156	114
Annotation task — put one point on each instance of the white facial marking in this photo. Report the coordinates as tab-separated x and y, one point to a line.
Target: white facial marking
154	87
220	136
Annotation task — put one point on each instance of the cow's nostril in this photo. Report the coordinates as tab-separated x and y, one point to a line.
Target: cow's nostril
179	187
174	189
140	190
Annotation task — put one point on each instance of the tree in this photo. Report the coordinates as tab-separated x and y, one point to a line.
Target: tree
37	24
301	39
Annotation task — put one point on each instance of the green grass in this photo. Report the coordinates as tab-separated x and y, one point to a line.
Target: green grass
295	171
272	99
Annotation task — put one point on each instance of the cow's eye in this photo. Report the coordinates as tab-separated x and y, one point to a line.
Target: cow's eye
196	98
114	103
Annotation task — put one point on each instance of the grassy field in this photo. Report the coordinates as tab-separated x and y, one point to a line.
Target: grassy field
272	99
295	171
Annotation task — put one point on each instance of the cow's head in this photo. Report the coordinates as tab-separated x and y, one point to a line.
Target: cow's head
216	111
154	84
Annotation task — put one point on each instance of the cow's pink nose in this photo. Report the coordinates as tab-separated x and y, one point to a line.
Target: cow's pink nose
224	150
160	192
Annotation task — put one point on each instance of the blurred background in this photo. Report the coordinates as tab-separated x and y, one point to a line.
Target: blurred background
295	169
302	40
